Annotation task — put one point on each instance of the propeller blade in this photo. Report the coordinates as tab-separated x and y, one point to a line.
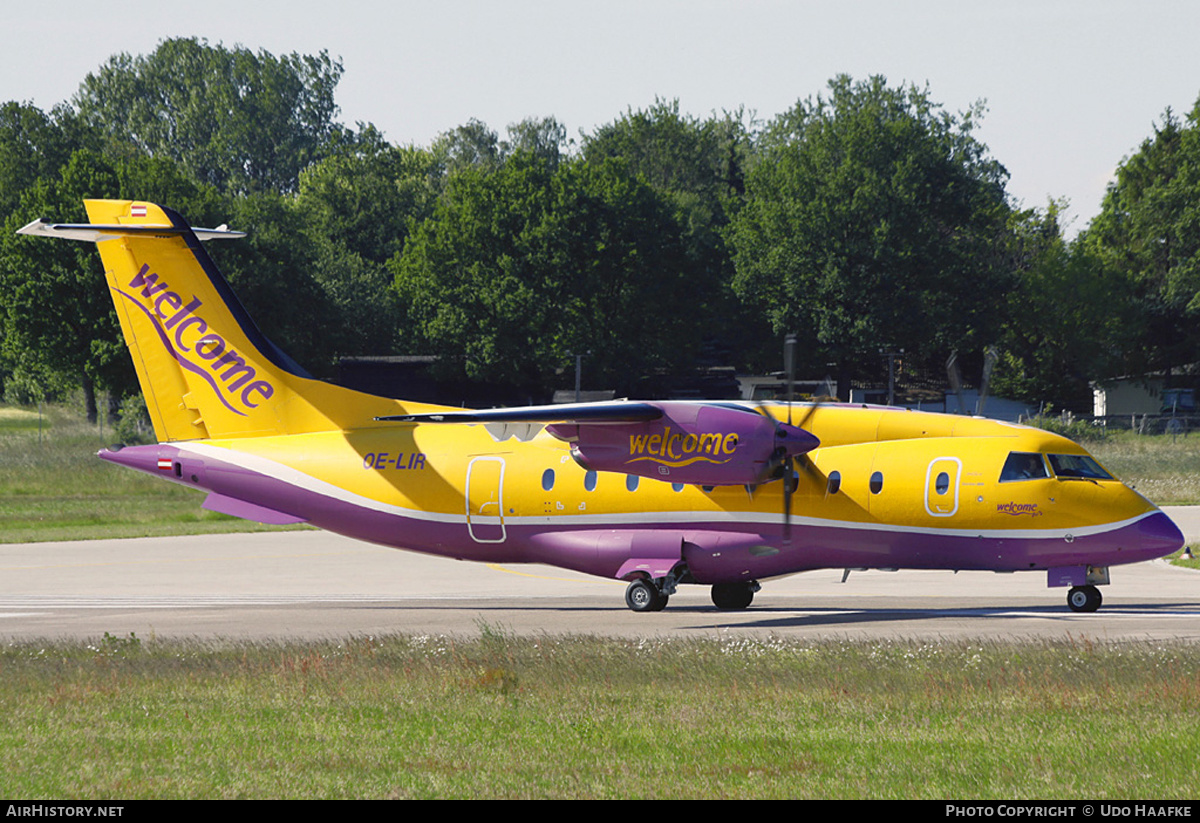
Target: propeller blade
789	479
789	486
812	409
789	368
782	464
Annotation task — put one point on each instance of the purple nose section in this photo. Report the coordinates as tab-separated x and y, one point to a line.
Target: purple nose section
1159	533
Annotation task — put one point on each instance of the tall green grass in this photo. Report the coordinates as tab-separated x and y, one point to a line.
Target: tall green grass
1165	469
577	717
22	420
53	487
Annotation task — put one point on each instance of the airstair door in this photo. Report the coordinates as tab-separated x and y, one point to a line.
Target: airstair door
485	499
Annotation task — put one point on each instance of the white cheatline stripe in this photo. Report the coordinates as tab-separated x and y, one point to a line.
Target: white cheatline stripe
294	477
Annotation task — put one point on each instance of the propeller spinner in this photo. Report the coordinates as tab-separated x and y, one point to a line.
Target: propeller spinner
786	454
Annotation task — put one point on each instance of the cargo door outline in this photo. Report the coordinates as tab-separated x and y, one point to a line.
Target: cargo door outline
944	503
485	500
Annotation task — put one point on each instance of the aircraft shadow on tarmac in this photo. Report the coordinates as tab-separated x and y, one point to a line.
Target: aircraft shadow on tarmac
859	616
767	617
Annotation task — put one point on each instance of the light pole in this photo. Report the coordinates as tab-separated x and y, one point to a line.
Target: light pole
579	372
891	358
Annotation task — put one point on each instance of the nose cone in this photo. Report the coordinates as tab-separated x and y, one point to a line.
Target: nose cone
1159	534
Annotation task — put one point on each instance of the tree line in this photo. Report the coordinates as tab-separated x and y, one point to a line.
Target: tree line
865	217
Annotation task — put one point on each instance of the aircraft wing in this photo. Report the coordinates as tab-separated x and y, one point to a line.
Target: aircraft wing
616	412
715	444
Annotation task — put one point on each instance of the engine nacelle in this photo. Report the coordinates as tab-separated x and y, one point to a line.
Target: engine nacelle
704	445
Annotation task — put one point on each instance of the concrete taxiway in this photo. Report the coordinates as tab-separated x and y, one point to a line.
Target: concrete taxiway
308	584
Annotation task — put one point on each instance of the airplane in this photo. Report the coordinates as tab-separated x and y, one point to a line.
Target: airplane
659	494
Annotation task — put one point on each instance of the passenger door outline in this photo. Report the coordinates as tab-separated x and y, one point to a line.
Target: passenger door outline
485	499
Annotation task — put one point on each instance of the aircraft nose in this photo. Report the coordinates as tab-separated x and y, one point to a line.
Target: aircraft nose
1160	534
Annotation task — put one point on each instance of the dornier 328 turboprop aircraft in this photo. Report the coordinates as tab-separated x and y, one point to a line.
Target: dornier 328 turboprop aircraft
659	494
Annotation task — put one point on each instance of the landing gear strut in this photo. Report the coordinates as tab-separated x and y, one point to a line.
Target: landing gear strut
733	596
643	596
1084	599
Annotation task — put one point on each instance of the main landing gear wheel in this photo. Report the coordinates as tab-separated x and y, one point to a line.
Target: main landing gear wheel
732	596
1084	599
644	596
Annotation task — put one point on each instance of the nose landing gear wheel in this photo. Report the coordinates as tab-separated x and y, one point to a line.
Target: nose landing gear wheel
732	596
644	596
1084	599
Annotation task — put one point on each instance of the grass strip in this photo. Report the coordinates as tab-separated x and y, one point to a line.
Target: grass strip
53	487
498	716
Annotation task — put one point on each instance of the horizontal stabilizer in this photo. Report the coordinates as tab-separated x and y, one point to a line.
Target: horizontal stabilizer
247	511
205	368
94	233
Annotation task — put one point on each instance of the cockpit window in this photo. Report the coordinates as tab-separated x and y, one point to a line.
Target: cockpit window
1078	465
1023	466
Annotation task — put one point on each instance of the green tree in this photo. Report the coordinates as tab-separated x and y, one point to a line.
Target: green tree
697	166
371	199
33	145
544	138
524	266
873	218
358	210
1149	230
471	146
240	121
59	323
475	145
272	273
675	152
1065	321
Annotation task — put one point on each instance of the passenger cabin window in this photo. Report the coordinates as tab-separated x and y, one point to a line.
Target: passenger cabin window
1023	466
548	479
835	482
631	482
876	482
589	481
1078	466
942	483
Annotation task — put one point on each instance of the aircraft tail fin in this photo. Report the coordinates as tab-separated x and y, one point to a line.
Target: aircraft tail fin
205	369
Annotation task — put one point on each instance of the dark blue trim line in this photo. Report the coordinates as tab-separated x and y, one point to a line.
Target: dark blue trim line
259	340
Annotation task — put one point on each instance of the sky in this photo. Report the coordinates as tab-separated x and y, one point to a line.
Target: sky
1071	86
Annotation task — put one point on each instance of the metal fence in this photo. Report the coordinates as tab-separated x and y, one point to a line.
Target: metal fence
1177	423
